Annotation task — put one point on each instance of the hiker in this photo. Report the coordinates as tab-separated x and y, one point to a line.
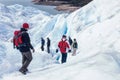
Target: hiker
24	47
42	44
48	45
70	41
63	45
74	47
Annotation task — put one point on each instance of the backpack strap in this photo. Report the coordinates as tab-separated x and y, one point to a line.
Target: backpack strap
20	34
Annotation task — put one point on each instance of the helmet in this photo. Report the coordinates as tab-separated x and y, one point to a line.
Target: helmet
25	25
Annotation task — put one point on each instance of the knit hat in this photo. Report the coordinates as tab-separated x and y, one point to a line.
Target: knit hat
25	25
64	36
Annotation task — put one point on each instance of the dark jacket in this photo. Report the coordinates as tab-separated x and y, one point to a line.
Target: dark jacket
48	42
42	42
26	45
75	45
70	41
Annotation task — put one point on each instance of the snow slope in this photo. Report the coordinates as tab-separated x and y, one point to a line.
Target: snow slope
95	26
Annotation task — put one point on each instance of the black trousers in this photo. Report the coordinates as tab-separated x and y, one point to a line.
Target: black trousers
48	49
64	57
42	47
26	59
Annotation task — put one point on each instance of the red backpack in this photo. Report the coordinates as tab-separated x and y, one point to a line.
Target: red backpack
17	40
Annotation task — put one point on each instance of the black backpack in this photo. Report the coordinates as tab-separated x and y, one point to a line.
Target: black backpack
75	45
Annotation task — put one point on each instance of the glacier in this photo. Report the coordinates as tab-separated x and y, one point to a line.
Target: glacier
96	27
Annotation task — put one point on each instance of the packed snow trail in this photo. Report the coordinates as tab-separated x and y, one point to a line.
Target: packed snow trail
83	70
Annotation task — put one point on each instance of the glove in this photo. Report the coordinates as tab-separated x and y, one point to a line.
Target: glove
33	50
69	51
56	50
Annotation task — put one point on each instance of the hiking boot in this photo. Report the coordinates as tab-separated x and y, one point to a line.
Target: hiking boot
23	72
26	70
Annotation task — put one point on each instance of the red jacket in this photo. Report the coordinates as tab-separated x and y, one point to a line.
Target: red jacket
63	45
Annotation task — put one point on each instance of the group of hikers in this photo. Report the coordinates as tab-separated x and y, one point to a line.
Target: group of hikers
43	44
21	41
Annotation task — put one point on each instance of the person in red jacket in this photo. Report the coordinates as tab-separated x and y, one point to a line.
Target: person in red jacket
63	45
